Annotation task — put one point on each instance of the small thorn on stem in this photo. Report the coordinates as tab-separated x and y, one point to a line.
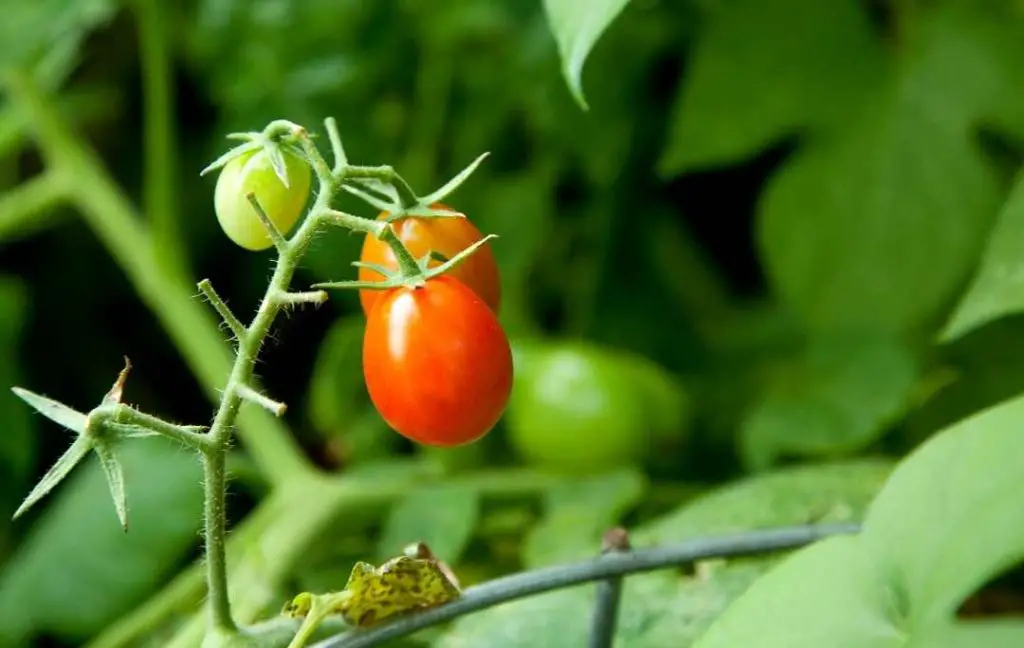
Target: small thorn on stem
276	408
116	392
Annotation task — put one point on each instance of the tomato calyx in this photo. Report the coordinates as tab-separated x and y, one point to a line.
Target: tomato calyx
411	272
275	140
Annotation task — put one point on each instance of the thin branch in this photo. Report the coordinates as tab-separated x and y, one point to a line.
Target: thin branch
292	298
275	234
539	581
219	305
247	393
337	149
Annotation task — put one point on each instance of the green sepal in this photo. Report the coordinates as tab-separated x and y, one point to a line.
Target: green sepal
235	152
376	267
276	156
370	285
453	184
115	478
55	475
57	412
458	258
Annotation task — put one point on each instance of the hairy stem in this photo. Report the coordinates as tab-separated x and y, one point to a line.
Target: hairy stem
215	531
128	419
118	226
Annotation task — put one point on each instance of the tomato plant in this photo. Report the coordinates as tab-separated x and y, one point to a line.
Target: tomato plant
252	172
448	236
581	407
437	364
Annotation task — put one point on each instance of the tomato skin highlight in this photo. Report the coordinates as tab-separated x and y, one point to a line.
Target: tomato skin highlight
449	236
437	363
252	172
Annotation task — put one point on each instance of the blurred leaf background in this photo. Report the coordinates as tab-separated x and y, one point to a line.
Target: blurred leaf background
771	209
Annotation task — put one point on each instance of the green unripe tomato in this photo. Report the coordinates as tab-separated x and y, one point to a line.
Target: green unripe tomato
579	407
252	172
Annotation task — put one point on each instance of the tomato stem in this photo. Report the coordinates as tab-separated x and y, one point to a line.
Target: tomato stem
386	174
407	264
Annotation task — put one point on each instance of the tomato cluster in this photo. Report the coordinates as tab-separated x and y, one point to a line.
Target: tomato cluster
437	363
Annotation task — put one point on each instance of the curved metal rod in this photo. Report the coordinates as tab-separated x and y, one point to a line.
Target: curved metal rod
538	581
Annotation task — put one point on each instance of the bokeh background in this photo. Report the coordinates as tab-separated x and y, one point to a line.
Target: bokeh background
769	210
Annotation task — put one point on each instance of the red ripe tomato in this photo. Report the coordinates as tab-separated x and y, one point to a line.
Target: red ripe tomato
437	363
449	236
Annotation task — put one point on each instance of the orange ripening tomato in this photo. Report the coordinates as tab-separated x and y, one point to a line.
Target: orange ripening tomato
449	236
437	364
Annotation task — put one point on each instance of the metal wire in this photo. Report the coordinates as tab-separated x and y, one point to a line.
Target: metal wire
602	567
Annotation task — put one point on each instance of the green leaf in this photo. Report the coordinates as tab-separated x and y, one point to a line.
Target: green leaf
850	229
665	608
444	517
997	633
829	594
950	516
577	26
837	492
577	513
837	398
77	570
998	286
749	86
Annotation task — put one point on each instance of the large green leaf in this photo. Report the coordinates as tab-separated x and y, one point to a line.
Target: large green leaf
829	594
950	517
577	26
444	517
663	607
78	570
577	513
999	633
836	398
852	227
830	491
764	70
998	286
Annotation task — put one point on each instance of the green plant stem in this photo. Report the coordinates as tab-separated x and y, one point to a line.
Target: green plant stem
609	565
279	516
31	205
115	222
407	264
387	175
215	532
159	204
128	419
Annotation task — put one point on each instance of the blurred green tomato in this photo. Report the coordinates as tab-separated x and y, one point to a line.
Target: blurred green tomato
253	173
579	407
